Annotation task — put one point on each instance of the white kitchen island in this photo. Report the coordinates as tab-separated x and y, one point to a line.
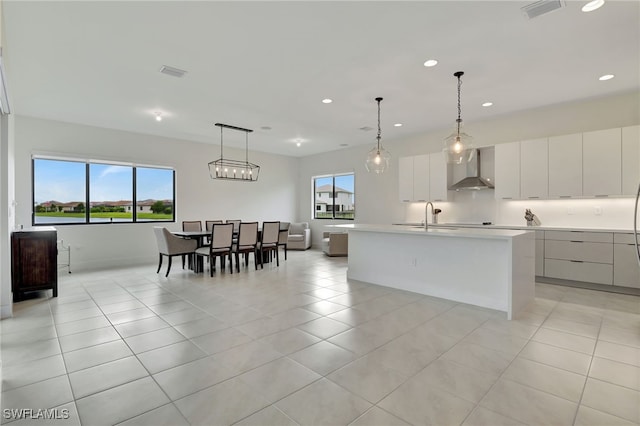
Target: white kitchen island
485	267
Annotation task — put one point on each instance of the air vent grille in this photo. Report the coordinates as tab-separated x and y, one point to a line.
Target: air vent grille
366	128
541	7
173	72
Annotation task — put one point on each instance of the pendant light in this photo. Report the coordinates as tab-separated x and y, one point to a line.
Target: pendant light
458	147
224	168
378	157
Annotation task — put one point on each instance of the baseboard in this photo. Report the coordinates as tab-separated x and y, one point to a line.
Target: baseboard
589	286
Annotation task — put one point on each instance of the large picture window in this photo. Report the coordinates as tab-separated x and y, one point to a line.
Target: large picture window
334	197
80	192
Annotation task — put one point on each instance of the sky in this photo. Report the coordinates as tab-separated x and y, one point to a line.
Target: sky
64	181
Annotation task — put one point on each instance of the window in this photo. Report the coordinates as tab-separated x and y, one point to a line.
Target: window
334	196
74	192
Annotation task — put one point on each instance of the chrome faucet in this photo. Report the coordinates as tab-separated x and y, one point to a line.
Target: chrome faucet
434	214
426	214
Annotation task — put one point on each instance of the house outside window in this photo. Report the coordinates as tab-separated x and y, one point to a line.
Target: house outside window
68	191
334	196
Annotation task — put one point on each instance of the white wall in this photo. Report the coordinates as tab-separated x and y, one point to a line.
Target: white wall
376	196
7	212
198	197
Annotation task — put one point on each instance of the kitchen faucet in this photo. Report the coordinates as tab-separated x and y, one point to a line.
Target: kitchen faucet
434	214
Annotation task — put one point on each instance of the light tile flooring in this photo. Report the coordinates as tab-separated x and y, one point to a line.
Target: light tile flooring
300	344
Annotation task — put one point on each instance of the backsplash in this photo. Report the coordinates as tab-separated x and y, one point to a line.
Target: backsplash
481	206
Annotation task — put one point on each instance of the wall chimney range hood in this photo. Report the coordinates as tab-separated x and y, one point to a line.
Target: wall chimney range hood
473	181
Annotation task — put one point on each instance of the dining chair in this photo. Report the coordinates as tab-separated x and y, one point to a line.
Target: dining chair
236	224
169	245
283	237
247	243
269	241
191	225
221	244
208	226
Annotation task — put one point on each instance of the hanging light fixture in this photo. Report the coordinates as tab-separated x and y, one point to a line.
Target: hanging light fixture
458	147
224	168
378	157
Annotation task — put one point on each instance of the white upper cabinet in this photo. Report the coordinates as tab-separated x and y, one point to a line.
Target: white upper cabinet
437	177
421	178
630	160
565	166
507	171
601	163
534	169
405	179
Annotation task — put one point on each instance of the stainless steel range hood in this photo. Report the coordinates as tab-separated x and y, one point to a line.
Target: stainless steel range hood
473	181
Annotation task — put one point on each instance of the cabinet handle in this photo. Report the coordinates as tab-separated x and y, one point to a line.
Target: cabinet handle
572	241
576	261
565	196
405	201
533	197
507	198
421	200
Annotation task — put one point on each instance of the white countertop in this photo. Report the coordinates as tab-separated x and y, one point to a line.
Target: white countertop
441	231
522	227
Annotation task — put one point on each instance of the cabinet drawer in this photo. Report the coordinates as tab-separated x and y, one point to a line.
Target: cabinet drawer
594	237
626	271
598	273
620	238
576	250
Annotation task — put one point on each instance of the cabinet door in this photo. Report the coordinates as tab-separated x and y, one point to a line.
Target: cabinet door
630	160
405	179
437	177
421	178
626	271
565	166
602	162
534	169
507	170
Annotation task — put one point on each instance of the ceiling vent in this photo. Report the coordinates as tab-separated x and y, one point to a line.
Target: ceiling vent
366	128
173	72
541	7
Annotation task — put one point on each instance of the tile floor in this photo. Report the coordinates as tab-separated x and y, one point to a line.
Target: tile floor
299	344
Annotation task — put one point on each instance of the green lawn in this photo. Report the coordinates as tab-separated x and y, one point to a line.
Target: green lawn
107	215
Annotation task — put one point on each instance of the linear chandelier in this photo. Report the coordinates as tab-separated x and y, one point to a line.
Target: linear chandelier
224	168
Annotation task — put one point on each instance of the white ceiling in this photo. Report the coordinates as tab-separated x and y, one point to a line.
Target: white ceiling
255	64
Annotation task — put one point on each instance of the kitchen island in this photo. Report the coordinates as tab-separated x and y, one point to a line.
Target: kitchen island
485	267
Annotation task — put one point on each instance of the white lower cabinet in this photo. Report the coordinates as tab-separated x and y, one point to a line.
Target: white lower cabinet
539	253
579	256
626	272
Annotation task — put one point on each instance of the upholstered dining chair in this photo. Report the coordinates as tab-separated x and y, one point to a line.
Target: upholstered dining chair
269	241
247	243
236	224
221	244
191	225
208	224
283	237
169	245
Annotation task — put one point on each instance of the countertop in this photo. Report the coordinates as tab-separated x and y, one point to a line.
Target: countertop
523	227
441	231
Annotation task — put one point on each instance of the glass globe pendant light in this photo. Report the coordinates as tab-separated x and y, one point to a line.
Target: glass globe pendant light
458	147
378	157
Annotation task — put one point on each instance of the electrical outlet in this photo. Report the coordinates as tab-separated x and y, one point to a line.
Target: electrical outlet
597	211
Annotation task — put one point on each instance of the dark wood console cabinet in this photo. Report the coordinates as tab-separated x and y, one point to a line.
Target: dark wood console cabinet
34	261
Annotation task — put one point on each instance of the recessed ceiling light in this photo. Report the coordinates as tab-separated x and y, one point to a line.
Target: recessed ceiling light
397	125
606	77
592	5
298	144
487	104
327	101
158	116
431	63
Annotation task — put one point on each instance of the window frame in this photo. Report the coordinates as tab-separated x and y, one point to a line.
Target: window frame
314	207
87	195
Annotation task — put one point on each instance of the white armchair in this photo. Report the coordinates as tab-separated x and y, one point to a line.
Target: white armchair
299	236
